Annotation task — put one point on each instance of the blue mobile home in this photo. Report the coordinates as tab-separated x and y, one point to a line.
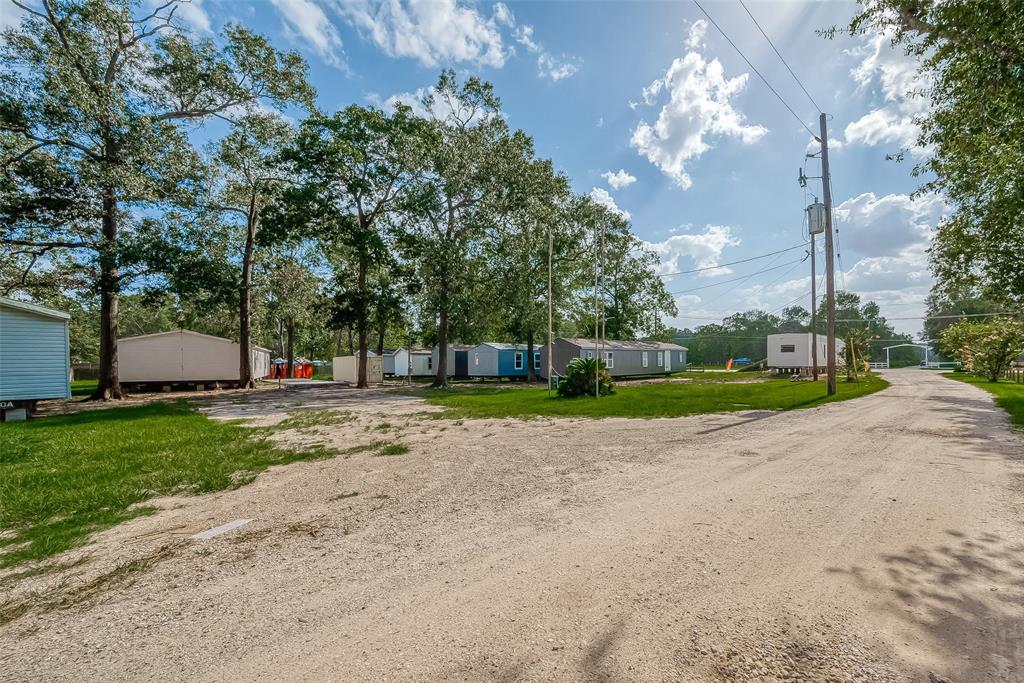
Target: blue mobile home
35	363
493	359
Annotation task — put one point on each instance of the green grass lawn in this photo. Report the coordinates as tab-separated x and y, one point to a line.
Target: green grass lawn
647	400
62	478
83	387
1009	396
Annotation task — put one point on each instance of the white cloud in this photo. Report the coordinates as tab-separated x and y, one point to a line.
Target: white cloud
699	105
896	75
601	196
557	68
306	24
600	122
696	35
887	226
194	14
433	32
548	65
702	250
619	179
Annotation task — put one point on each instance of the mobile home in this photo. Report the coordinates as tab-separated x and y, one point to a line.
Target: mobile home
791	353
494	359
458	360
622	358
405	362
185	357
35	363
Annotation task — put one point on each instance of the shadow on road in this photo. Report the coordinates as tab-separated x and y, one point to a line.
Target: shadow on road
966	597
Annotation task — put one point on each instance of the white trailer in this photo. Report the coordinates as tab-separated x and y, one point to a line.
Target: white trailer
346	369
791	352
185	357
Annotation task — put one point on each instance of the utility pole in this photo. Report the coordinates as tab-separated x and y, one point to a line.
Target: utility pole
830	277
551	347
814	312
597	357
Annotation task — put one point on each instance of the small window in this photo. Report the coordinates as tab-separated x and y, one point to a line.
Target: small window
430	362
536	360
519	360
787	348
682	356
643	359
588	354
476	359
609	360
661	358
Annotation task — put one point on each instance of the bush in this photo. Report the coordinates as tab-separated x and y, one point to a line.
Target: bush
579	378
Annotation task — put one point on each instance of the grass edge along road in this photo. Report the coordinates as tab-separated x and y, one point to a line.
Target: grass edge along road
664	399
1008	395
64	477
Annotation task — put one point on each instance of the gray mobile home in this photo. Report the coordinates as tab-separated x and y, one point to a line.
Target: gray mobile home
623	358
458	360
494	359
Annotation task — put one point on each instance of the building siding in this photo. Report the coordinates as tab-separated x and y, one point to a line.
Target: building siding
627	362
34	356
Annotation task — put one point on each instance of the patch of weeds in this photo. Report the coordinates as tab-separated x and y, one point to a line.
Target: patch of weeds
60	597
393	449
312	528
384	426
312	417
381	496
343	496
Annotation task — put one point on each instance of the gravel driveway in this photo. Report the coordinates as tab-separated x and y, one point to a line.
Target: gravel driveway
877	539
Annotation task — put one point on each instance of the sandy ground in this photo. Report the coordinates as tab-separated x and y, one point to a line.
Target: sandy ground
878	539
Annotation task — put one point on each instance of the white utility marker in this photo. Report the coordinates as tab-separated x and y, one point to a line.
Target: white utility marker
218	530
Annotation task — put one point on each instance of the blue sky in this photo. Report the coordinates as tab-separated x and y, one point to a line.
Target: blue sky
649	108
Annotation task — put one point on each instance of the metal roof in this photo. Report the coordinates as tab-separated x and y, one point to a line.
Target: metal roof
34	308
620	345
191	332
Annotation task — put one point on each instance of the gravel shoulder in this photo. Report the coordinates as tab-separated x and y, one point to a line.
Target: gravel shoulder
877	539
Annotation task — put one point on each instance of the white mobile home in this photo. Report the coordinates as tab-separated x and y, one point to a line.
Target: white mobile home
35	362
346	369
185	357
791	353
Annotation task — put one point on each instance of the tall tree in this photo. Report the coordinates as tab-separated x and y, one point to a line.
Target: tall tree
96	93
355	168
472	155
249	177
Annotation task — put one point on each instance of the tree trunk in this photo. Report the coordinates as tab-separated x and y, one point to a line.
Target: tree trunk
531	373
351	344
290	327
109	386
441	378
380	338
361	317
245	378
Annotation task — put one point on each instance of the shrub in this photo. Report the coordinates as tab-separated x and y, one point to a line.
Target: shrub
985	349
579	378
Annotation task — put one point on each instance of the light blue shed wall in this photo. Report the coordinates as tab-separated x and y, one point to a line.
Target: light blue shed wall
34	362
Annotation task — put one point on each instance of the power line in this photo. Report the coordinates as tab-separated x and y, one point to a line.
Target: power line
744	277
733	263
754	68
781	58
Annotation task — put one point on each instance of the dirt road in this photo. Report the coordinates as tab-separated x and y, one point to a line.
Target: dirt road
877	539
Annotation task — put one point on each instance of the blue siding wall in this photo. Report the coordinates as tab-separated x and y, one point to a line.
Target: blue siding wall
507	363
33	356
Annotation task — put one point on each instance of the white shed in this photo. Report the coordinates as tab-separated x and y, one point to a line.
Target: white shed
346	369
792	352
415	362
35	362
184	357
